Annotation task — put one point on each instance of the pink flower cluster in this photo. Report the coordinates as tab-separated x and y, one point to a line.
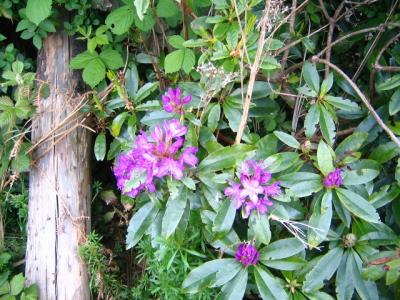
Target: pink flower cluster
174	102
247	254
253	192
333	179
154	157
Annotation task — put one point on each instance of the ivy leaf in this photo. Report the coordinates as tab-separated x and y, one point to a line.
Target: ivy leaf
180	59
100	147
141	7
311	76
38	10
120	20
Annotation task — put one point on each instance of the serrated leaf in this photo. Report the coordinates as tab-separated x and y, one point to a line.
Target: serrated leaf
166	8
112	59
38	10
120	20
94	72
180	59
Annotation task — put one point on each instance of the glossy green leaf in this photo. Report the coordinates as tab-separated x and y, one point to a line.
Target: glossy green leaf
357	205
389	84
235	288
287	139
269	287
394	104
176	205
323	270
327	125
260	225
311	120
320	220
225	216
117	123
100	146
281	249
311	76
324	158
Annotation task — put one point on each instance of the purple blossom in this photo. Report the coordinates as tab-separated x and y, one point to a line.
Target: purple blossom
247	254
253	192
333	179
154	156
173	101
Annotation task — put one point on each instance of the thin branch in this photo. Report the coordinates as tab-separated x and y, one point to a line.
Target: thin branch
363	98
254	70
291	29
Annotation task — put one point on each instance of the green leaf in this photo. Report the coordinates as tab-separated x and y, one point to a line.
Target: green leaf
112	59
311	76
361	176
306	188
139	224
224	158
120	20
366	289
357	205
235	288
343	104
394	104
176	205
293	263
82	60
231	268
326	85
260	225
287	139
145	91
38	10
311	120
385	152
327	125
323	270
166	8
141	7
389	84
204	275
324	158
132	80
281	161
17	284
281	249
225	216
351	144
270	63
180	59
344	281
269	287
100	146
30	293
320	220
21	163
176	41
117	123
213	117
94	72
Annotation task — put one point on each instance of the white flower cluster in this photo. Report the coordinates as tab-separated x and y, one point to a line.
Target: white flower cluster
276	9
209	72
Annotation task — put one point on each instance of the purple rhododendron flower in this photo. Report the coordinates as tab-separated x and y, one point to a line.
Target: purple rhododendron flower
333	179
174	102
154	156
253	190
247	254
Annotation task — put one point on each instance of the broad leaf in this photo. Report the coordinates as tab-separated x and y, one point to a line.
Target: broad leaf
324	158
311	76
281	249
225	216
38	10
287	139
269	287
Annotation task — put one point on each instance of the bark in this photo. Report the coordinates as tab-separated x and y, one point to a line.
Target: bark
59	200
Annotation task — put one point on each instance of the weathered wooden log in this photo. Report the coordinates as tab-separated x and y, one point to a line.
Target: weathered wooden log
59	188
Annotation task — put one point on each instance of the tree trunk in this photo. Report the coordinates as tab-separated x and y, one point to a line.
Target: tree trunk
59	188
